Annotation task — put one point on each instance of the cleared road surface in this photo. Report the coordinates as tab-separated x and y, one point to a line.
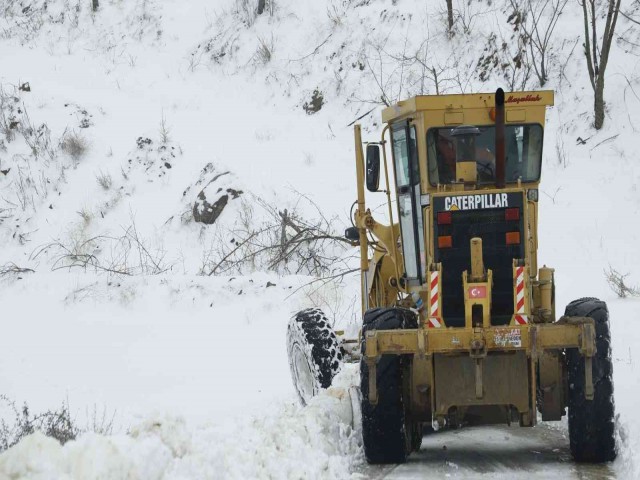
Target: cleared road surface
492	452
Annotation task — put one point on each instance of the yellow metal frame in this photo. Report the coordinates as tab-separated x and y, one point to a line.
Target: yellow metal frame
531	338
477	343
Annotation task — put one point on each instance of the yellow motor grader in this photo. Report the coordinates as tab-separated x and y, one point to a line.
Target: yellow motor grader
459	323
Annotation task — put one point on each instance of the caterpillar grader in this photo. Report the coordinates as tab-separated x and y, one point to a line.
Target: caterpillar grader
459	318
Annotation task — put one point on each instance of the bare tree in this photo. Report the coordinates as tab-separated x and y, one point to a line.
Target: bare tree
425	70
411	71
261	5
95	4
386	70
598	54
450	17
538	20
506	58
466	13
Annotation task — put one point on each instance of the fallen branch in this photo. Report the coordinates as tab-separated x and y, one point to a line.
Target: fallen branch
12	268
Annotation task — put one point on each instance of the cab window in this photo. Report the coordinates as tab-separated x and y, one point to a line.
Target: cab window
523	154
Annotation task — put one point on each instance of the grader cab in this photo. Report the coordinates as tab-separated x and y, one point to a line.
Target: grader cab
459	323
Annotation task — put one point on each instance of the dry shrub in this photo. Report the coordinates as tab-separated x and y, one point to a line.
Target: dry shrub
75	145
616	281
57	424
265	50
104	180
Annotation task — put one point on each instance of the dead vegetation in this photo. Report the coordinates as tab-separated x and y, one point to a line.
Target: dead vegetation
537	19
11	268
265	51
286	241
19	422
22	422
127	254
617	283
34	170
105	181
74	144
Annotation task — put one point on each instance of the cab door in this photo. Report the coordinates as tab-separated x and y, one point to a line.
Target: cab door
407	174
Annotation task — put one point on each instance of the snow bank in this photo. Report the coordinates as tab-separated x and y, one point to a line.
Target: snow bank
626	376
286	441
194	368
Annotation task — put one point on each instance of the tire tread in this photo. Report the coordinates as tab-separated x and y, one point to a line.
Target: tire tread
383	425
592	422
311	328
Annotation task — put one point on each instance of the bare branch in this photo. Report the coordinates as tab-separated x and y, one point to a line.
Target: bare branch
12	268
628	17
616	281
83	253
285	241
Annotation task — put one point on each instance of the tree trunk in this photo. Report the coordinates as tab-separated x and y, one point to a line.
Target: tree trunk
597	58
95	4
598	105
261	5
543	72
450	16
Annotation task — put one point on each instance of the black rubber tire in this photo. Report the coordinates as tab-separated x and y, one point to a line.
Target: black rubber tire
591	422
417	433
385	436
314	353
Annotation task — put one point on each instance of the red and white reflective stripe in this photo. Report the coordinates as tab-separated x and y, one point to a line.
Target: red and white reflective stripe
434	301
520	318
434	295
435	322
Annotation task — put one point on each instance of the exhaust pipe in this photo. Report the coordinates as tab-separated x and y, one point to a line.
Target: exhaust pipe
500	157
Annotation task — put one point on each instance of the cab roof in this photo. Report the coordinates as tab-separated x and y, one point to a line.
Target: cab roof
466	101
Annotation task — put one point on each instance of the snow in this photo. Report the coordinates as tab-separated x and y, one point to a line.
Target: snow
287	442
173	361
148	344
193	367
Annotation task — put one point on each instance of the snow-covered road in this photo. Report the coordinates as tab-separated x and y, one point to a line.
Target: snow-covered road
493	452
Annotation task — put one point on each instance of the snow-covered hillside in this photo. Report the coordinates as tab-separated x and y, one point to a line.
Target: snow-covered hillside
124	130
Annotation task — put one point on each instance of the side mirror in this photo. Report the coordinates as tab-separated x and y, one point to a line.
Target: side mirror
372	170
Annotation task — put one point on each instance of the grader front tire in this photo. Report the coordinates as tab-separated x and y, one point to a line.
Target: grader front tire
591	422
384	430
314	353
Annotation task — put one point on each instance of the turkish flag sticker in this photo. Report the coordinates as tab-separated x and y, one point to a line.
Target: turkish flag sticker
477	292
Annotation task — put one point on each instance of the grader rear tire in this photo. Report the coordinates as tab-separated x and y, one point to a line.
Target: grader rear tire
591	422
384	430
